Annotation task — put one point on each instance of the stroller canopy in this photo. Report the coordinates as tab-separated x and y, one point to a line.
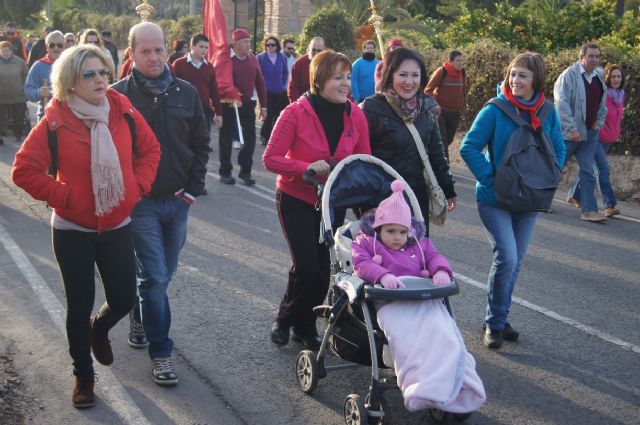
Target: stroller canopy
361	181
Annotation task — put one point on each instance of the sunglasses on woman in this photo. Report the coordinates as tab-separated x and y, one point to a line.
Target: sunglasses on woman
58	45
90	74
272	45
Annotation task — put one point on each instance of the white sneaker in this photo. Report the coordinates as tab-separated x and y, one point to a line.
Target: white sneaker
237	144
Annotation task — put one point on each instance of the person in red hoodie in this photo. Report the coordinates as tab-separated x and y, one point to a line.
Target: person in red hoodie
102	172
299	81
320	128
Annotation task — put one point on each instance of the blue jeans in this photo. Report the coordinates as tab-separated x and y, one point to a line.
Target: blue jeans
159	233
602	171
509	234
585	152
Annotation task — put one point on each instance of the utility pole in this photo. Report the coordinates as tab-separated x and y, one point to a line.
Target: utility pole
192	7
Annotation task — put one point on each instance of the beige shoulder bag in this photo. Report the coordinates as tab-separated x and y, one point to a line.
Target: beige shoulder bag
437	200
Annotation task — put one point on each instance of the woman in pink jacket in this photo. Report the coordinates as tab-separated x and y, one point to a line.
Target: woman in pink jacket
321	128
609	134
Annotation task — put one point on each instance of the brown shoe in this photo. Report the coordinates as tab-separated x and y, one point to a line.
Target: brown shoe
611	211
572	201
83	392
100	345
593	216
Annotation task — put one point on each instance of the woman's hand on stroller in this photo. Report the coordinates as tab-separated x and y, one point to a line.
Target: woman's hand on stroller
441	278
320	167
390	281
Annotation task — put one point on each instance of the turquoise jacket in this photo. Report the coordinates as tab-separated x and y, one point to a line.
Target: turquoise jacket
362	79
491	124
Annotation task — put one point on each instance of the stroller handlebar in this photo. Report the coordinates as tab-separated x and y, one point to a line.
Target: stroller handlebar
308	178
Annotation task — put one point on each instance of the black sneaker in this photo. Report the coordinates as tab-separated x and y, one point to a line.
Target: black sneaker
493	338
164	372
508	333
247	179
227	180
136	339
279	333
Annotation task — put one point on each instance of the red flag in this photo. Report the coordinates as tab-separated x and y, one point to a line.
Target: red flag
215	28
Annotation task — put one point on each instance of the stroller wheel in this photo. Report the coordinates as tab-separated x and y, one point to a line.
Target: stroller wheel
461	416
438	415
307	371
355	412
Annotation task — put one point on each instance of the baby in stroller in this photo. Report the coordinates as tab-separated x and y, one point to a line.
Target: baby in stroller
433	367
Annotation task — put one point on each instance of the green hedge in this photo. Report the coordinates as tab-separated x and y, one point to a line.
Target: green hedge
72	20
485	66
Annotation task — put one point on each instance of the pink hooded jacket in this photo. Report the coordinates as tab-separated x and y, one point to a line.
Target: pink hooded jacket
408	261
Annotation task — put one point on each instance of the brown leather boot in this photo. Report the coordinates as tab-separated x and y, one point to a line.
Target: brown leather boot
83	391
100	345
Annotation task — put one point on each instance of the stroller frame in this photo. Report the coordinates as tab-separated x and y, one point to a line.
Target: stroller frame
351	290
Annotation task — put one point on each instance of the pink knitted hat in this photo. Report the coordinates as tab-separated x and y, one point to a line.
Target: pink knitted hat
394	209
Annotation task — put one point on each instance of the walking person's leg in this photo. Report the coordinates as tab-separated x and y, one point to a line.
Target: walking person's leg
299	223
75	255
442	125
225	139
573	197
585	154
499	229
148	228
116	263
604	180
245	156
18	111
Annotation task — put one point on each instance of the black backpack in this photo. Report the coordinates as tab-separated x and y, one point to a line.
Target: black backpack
53	144
529	175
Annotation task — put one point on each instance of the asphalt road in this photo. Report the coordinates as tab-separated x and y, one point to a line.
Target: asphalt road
577	361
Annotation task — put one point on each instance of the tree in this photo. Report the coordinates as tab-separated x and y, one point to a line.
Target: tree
21	13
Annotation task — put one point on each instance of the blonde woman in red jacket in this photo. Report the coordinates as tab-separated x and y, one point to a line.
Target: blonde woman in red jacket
102	171
320	128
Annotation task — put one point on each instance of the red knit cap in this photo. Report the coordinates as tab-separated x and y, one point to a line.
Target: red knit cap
240	34
396	42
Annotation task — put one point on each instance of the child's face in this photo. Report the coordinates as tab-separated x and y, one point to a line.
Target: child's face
394	236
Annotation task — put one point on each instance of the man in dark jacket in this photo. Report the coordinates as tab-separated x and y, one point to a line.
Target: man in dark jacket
159	222
111	47
39	49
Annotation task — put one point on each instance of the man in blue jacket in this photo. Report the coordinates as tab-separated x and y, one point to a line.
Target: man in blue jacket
363	71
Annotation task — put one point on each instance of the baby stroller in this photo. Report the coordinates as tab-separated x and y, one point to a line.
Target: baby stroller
352	332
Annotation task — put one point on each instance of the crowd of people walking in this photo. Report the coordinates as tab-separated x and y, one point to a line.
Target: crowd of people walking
121	165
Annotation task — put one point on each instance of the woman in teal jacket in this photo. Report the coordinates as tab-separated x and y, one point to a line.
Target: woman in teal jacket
508	232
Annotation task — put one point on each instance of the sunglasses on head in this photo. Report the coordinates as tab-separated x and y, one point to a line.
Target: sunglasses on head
87	75
272	45
58	45
291	48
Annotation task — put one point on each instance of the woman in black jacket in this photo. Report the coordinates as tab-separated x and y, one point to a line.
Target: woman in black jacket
401	99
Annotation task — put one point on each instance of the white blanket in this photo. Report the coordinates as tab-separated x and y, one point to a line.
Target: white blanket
431	362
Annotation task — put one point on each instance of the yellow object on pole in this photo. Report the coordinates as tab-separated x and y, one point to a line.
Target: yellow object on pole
145	10
377	21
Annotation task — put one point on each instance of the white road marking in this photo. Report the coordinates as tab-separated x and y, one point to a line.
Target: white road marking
549	313
115	395
560	318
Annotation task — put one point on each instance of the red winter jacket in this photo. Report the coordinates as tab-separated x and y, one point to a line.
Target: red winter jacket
71	193
298	139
